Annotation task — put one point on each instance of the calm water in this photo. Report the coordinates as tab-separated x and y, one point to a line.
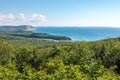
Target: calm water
81	33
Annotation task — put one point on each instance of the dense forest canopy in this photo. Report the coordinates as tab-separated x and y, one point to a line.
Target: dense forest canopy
33	59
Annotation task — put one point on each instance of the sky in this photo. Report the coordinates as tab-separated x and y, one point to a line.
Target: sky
60	12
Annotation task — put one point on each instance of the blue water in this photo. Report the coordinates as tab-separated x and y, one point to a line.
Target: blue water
81	33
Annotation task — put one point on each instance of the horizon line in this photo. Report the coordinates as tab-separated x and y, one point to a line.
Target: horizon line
61	26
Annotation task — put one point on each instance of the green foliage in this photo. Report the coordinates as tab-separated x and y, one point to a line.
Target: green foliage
31	59
23	58
6	51
65	72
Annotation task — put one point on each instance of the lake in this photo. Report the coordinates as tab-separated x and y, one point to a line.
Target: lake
81	33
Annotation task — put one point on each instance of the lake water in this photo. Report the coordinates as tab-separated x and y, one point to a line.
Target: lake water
81	33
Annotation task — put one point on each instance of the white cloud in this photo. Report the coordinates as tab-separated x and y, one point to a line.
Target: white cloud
38	18
11	19
22	17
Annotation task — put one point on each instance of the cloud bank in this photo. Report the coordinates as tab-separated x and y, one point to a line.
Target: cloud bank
11	19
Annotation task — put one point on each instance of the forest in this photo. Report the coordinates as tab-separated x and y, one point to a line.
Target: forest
22	34
34	59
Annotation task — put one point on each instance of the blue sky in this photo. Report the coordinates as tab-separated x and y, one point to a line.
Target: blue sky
60	12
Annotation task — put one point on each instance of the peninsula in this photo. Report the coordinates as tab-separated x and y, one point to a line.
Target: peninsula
16	28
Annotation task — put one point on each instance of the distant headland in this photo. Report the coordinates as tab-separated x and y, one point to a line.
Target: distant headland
24	31
16	28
